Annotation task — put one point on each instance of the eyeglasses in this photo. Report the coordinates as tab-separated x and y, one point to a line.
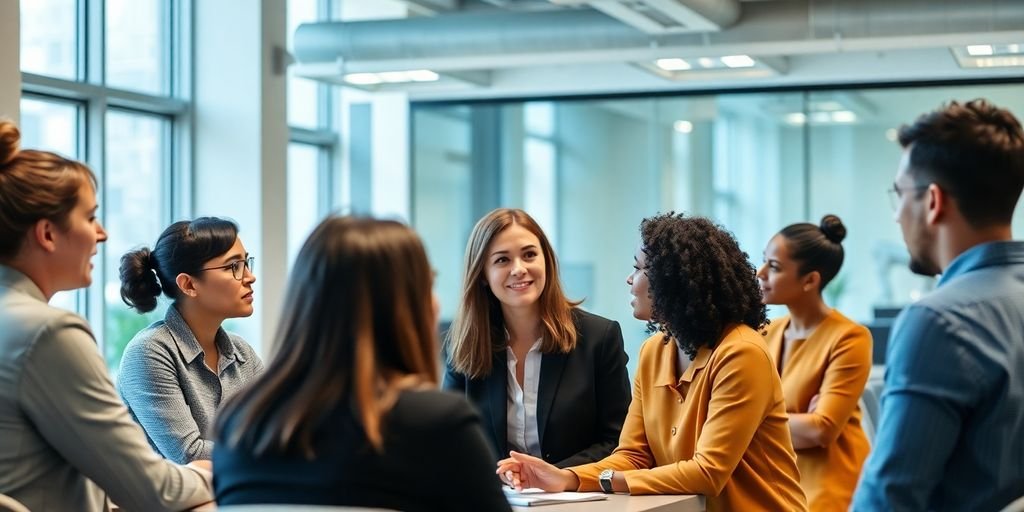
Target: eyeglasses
896	192
237	267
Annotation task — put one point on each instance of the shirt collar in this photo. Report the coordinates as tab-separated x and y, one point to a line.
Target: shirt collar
667	371
698	363
189	345
18	281
984	255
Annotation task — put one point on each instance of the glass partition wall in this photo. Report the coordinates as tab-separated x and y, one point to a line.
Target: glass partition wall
590	170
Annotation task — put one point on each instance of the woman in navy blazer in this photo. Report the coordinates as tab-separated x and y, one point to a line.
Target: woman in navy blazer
549	378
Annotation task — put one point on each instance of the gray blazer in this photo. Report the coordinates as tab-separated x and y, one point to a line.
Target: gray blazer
66	440
171	392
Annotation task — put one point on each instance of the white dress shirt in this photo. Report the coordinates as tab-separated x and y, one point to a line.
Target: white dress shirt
521	411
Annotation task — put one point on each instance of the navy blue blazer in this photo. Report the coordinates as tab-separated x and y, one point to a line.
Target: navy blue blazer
582	396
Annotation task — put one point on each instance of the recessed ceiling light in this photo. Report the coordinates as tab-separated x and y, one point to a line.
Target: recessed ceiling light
423	75
706	62
392	77
989	55
796	118
843	116
738	61
975	50
673	64
683	126
362	78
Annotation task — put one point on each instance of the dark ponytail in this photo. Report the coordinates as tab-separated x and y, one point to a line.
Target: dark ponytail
139	285
184	247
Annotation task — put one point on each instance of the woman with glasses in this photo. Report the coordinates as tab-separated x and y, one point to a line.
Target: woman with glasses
176	372
823	357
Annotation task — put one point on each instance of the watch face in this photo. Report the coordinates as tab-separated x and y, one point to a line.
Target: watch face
605	479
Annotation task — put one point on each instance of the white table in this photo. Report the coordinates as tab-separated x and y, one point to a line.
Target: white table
625	503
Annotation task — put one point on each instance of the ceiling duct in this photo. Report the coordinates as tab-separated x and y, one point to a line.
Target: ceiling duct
503	39
669	16
492	32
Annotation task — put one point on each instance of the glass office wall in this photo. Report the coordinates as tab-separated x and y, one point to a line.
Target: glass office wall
590	170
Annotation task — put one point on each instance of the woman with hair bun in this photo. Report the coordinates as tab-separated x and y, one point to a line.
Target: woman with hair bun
175	373
823	357
66	440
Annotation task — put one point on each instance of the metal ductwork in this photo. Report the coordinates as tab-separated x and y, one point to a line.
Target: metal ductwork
493	32
495	39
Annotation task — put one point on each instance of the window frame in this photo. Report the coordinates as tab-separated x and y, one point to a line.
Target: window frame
96	99
325	137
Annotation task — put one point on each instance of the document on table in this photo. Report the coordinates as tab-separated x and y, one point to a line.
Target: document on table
537	497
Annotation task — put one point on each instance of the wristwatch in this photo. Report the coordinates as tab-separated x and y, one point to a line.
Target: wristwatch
605	479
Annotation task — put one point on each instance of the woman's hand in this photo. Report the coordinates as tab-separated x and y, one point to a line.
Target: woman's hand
525	471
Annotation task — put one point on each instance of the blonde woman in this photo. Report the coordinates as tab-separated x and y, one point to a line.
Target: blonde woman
549	378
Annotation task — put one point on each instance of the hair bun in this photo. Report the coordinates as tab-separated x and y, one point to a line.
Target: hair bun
139	284
833	228
10	139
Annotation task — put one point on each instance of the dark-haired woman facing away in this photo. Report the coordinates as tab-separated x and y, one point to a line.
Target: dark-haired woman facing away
66	440
549	378
348	412
707	415
824	359
175	373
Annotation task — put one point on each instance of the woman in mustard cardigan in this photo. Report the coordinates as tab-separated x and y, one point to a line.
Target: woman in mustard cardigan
823	357
707	415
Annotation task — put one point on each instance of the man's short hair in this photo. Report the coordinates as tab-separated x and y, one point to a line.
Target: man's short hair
975	153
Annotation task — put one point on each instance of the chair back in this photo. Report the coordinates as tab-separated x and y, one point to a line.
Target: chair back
870	402
1016	505
9	504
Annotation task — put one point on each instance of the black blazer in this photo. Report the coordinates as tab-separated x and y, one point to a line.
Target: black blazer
435	458
582	396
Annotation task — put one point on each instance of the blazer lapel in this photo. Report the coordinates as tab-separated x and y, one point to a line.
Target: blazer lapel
497	402
551	366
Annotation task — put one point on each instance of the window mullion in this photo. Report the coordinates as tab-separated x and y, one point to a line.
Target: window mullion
95	156
95	41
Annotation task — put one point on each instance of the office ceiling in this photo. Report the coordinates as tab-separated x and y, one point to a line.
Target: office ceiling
525	48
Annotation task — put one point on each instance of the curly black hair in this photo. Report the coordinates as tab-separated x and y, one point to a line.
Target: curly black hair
700	281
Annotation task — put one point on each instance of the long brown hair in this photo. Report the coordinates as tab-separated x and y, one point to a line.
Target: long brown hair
34	185
477	330
358	327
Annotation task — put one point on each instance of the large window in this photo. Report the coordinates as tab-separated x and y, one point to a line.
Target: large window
53	125
103	84
590	170
314	140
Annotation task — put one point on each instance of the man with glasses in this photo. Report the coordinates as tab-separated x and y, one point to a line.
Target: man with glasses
951	433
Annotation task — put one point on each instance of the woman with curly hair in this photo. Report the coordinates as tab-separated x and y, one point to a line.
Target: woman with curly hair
823	357
708	416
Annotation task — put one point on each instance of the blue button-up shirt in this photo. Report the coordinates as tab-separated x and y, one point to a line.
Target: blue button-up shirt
951	433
